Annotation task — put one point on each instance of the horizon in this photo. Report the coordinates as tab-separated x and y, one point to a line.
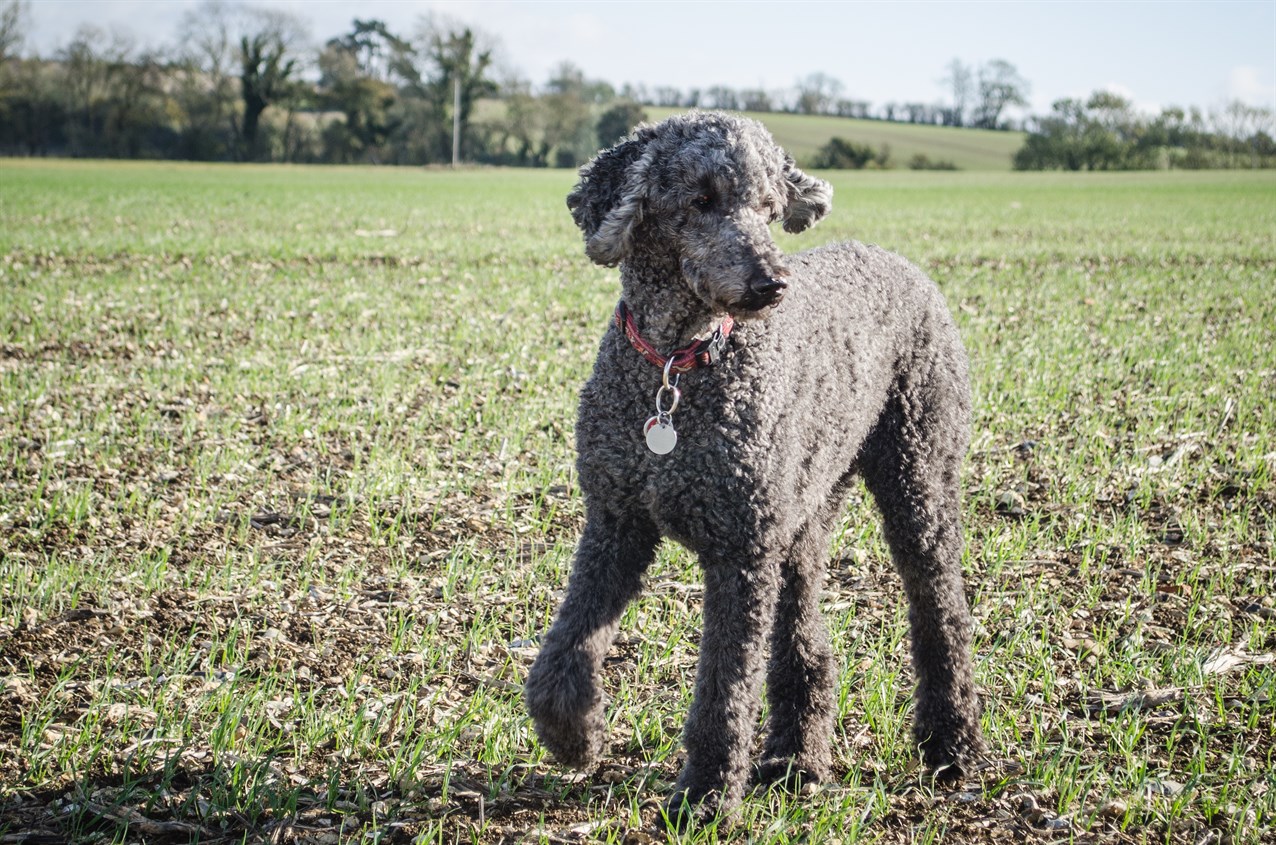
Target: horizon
1156	54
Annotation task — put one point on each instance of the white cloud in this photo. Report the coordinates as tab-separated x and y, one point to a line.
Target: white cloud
1119	89
1246	83
585	27
1144	107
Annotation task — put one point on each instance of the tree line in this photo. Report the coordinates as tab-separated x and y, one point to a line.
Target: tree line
1105	132
244	84
979	98
243	87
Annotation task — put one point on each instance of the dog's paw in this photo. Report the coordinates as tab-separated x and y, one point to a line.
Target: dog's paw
952	757
788	774
567	709
577	743
689	808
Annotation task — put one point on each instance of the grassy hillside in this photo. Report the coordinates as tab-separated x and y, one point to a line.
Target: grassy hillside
969	149
287	498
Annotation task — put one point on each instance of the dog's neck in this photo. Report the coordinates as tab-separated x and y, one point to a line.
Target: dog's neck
665	309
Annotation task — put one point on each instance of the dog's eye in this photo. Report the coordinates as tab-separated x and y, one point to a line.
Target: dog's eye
702	202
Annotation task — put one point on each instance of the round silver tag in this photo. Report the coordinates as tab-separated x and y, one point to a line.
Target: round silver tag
661	438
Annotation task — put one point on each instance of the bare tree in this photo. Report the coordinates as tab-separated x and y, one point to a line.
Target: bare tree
524	126
1264	121
756	99
206	37
1000	85
88	73
205	75
635	93
666	95
1241	124
961	81
11	35
112	94
721	97
568	129
918	112
818	94
12	13
859	109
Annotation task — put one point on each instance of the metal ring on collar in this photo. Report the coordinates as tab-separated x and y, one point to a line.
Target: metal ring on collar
660	394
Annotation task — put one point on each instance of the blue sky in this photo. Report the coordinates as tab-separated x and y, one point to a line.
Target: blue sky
1156	52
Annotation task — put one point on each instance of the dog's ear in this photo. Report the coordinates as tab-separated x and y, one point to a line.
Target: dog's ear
608	201
809	199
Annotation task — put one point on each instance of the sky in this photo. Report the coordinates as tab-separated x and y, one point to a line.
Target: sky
1157	53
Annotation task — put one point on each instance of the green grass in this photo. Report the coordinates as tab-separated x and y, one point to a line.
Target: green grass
286	495
968	149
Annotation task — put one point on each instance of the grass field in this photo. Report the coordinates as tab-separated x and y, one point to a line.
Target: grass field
968	149
286	497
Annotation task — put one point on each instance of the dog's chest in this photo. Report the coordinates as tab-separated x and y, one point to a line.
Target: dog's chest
698	497
696	492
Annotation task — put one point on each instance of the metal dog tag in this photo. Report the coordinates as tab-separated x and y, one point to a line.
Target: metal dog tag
661	438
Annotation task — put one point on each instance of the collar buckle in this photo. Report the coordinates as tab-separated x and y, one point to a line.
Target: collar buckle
716	343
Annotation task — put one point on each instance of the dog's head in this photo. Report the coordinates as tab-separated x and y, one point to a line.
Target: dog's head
705	186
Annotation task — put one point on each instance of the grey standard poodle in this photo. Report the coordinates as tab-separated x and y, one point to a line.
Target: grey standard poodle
735	398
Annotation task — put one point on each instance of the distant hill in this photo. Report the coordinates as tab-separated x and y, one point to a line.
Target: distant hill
969	149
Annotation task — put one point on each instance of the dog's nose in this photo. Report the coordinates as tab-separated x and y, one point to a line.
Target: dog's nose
765	290
767	286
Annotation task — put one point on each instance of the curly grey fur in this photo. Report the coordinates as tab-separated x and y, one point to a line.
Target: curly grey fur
855	369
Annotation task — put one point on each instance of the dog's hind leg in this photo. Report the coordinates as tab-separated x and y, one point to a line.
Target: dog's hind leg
911	465
563	691
802	674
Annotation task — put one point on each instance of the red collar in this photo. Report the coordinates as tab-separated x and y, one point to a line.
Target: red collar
700	353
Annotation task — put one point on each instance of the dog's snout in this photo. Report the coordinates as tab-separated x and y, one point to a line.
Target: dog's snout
768	285
765	289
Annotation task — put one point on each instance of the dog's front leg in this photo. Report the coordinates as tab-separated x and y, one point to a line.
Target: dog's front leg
739	607
563	693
